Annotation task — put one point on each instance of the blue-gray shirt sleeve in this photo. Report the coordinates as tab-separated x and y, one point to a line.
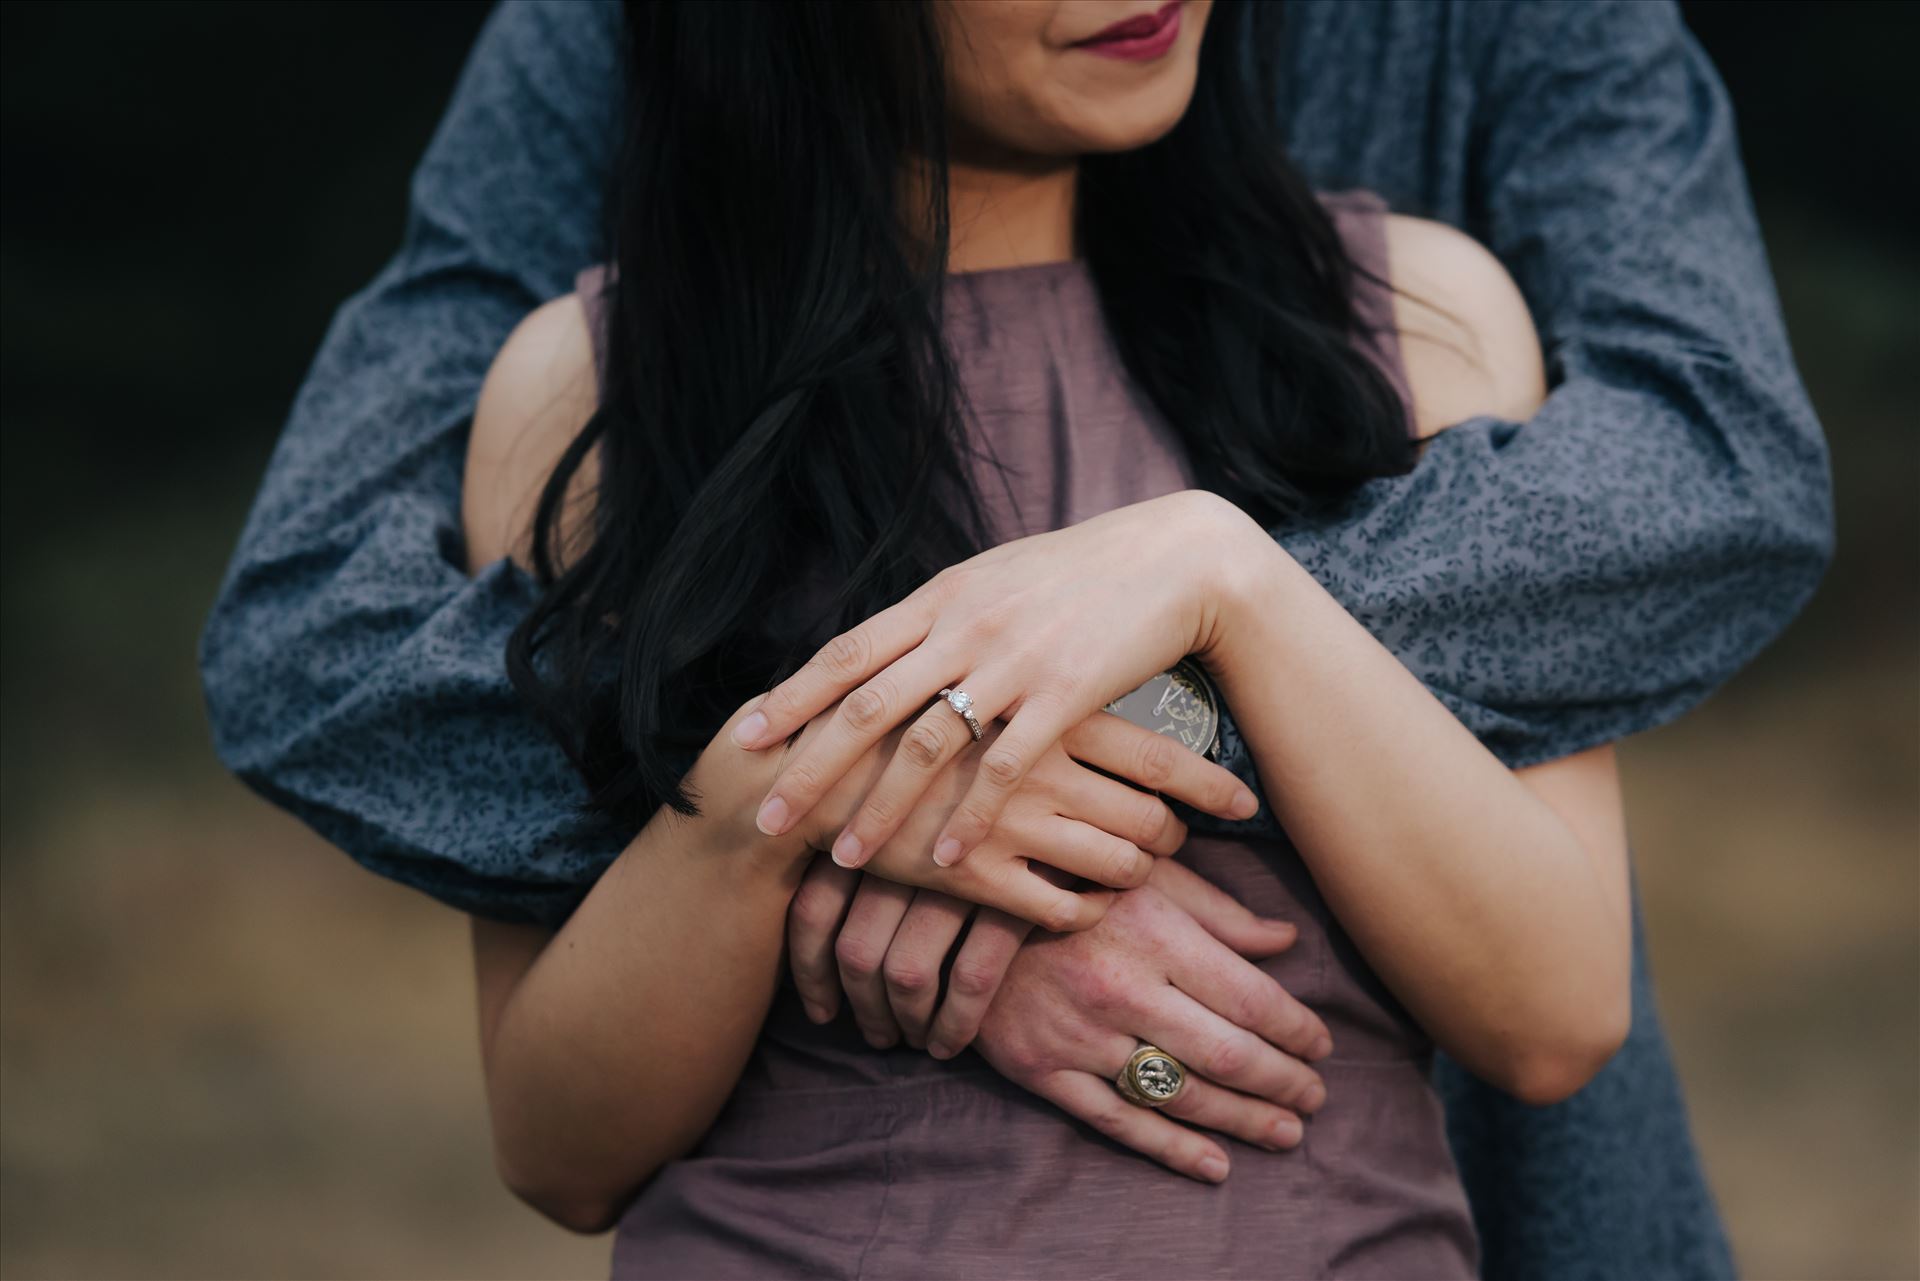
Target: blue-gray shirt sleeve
353	673
1603	567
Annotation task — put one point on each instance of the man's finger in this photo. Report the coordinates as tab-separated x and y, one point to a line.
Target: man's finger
1095	1101
813	922
992	941
861	950
1248	997
912	969
1251	1120
1220	914
1226	1053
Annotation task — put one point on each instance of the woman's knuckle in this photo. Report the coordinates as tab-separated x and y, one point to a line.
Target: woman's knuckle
774	704
865	708
877	811
990	617
1151	822
1154	761
923	746
974	878
1126	869
970	824
844	656
1059	916
801	780
953	580
1002	767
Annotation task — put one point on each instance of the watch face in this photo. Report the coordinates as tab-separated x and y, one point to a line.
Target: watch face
1179	702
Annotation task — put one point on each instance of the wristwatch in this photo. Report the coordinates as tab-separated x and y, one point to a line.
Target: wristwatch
1181	703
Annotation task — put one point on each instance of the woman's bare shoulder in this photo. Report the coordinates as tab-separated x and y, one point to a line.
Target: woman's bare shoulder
539	393
1466	336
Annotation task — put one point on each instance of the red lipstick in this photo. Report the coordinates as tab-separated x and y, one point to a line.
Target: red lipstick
1137	39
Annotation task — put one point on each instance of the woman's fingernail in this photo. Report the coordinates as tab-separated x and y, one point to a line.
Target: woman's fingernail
938	1050
1213	1168
847	850
1287	1132
772	819
947	852
1245	804
750	728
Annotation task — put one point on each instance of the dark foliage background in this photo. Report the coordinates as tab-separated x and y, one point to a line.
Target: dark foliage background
226	1051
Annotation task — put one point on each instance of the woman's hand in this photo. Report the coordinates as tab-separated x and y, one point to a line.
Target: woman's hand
1166	966
1043	630
1066	817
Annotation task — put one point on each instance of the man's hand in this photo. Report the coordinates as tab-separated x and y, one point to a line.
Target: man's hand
1169	964
885	945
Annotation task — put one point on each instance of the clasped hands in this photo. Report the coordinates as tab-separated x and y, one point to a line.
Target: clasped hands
894	784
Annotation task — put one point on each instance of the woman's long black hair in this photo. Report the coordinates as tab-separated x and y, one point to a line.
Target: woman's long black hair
779	407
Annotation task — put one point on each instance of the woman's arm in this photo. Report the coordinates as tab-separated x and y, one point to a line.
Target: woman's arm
1494	903
610	1046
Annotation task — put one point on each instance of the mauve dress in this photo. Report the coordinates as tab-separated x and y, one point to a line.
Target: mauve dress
833	1159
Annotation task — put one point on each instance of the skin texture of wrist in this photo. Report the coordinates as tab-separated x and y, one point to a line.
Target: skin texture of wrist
1240	565
727	783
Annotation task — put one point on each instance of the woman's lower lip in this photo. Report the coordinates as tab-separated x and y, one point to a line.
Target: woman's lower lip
1139	48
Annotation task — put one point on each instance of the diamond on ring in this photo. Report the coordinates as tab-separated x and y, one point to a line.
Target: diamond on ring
962	702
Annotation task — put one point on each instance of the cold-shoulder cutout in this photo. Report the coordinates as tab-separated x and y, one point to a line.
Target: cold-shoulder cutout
1467	340
539	393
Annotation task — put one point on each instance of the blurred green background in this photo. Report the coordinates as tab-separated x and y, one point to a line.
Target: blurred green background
225	1050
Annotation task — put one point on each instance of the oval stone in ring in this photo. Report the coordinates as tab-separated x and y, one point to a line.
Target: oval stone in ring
1158	1077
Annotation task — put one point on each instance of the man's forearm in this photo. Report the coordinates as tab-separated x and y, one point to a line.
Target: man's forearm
354	674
